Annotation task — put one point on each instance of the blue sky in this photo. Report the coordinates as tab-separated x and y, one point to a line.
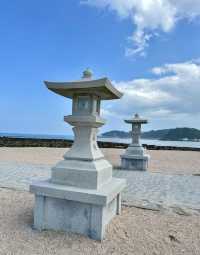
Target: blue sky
158	69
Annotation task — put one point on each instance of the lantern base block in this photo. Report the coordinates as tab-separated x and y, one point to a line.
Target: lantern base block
71	209
135	158
134	162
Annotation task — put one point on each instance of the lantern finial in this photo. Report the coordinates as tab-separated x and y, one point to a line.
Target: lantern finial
87	74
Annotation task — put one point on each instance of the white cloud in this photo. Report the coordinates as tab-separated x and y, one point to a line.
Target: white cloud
173	93
149	17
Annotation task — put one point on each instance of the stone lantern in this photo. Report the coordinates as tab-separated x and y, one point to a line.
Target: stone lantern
81	195
135	157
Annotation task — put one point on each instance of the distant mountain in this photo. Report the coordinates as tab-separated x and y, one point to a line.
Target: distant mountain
175	134
182	134
155	134
116	133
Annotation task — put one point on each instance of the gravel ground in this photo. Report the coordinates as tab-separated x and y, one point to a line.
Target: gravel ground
136	231
169	162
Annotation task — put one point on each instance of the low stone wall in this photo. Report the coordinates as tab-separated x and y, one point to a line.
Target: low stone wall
159	147
34	142
62	143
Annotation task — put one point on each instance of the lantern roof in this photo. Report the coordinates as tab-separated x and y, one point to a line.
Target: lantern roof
137	120
100	87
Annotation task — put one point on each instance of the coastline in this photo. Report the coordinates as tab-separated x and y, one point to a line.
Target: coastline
6	141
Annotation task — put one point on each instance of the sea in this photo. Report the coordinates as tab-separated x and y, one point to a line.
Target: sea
189	144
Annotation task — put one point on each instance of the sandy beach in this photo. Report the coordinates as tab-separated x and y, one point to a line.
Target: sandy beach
135	231
162	161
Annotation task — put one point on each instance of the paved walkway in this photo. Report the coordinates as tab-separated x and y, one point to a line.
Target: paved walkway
180	193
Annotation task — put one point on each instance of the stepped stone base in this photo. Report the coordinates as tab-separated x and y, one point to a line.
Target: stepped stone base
78	210
135	158
134	163
88	174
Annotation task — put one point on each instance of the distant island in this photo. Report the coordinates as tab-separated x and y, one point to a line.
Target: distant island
174	134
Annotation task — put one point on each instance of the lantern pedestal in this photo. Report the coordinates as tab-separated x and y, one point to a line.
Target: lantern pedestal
81	196
84	165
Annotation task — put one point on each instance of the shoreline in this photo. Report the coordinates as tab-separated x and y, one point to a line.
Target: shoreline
6	141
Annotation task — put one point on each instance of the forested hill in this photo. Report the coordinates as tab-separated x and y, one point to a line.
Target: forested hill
116	133
175	134
182	134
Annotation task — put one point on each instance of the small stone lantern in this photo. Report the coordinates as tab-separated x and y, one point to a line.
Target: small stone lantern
81	195
135	157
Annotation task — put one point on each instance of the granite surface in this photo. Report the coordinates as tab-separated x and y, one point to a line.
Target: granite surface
154	191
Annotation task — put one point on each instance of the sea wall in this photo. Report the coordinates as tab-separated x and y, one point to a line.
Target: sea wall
62	143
